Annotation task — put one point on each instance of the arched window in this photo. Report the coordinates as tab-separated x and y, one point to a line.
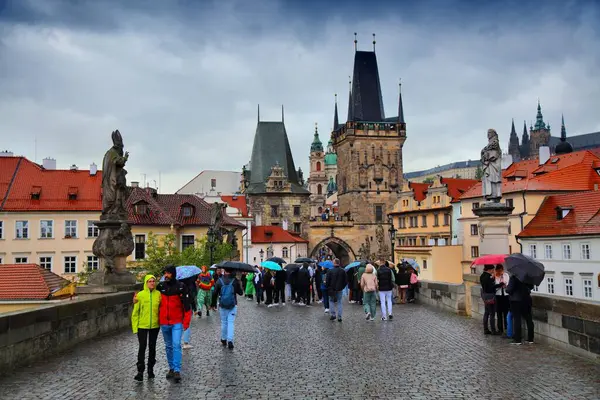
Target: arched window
319	189
320	210
284	252
318	165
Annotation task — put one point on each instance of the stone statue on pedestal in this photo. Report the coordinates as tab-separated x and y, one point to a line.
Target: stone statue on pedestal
491	160
115	241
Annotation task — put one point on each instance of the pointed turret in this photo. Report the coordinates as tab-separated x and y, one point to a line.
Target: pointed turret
336	121
525	142
563	147
366	101
350	108
400	107
539	119
316	144
513	143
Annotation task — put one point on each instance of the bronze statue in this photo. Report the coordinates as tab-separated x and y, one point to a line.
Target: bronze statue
114	183
491	160
216	220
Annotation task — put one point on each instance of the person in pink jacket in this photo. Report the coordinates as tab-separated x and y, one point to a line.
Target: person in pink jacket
369	286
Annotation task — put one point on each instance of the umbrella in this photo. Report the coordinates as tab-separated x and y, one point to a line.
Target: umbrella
525	268
304	260
214	266
236	265
412	263
490	259
356	264
185	271
326	264
292	267
277	260
271	265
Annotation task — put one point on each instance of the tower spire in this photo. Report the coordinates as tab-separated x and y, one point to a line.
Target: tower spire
539	119
350	108
513	143
316	144
335	115
282	113
373	43
258	113
400	107
355	42
563	147
563	129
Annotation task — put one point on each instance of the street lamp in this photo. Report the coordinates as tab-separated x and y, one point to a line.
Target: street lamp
392	231
262	254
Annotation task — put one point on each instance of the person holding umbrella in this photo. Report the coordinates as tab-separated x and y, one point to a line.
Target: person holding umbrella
488	295
227	288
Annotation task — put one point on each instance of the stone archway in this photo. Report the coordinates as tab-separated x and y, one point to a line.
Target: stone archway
340	249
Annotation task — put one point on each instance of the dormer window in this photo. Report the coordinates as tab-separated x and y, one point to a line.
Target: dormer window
140	208
187	211
36	192
562	212
73	193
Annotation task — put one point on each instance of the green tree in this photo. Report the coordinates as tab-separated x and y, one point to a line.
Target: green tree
428	180
478	173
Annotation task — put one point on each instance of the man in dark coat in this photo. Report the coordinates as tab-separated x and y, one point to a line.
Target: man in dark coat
520	307
303	285
488	295
335	284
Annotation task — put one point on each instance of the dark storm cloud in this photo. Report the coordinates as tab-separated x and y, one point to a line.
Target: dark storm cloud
181	79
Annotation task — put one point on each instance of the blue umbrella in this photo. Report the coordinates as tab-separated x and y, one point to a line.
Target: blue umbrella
412	263
185	271
354	264
326	264
271	265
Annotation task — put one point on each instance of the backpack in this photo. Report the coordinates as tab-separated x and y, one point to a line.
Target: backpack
227	295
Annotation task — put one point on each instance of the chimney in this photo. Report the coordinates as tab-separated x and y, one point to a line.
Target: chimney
6	153
73	167
544	154
93	169
49	163
135	184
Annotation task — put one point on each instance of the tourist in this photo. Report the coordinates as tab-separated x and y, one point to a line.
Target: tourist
369	287
280	279
323	284
520	307
318	279
488	295
268	285
258	278
303	285
192	290
335	284
385	278
403	282
227	288
502	301
205	284
174	316
414	285
250	290
144	322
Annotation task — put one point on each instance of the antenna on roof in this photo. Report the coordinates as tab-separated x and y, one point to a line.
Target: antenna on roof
355	42
258	113
282	113
373	43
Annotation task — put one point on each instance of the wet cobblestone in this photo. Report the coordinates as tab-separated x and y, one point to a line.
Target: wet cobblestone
297	353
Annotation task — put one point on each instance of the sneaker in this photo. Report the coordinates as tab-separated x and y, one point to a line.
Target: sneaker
339	319
199	314
270	305
368	316
390	317
516	343
528	342
170	374
223	342
320	301
187	346
279	304
383	318
230	345
326	310
176	377
301	304
139	377
332	318
372	319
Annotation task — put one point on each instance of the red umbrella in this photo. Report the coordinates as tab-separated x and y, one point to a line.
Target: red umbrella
490	259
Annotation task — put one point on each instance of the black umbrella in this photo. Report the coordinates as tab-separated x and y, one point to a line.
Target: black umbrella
525	268
236	265
277	260
292	268
304	260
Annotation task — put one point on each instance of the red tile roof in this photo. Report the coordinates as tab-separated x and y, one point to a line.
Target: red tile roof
455	187
28	282
20	178
274	234
566	172
583	217
419	190
167	209
238	202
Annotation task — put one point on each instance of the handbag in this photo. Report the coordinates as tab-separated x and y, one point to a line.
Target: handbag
488	298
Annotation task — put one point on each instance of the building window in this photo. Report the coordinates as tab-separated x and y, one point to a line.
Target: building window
402	222
587	288
274	211
474	230
46	263
70	228
585	251
296	211
475	206
446	219
318	166
319	189
509	228
92	230
22	229
21	260
424	221
378	213
140	208
568	286
140	247
284	252
550	281
187	211
213	183
423	241
533	250
474	251
509	203
566	251
436	219
424	263
297	227
412	241
536	288
186	241
93	263
400	241
1	230
46	229
548	251
70	264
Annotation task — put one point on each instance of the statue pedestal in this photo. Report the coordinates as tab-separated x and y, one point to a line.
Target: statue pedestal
493	228
113	245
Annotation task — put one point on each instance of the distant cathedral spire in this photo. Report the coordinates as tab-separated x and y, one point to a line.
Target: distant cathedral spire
539	119
400	107
563	147
525	142
350	116
335	115
513	143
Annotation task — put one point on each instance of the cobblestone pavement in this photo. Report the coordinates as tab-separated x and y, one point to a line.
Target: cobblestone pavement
297	353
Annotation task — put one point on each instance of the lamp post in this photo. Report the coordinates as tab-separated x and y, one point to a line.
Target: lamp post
392	232
262	254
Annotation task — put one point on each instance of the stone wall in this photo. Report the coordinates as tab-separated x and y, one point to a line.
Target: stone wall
446	296
26	336
572	325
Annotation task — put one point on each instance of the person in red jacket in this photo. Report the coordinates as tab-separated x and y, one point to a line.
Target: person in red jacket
174	317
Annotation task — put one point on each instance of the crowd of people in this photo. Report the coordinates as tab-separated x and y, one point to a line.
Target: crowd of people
167	305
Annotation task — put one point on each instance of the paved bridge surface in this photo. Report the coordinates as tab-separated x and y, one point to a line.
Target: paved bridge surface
297	353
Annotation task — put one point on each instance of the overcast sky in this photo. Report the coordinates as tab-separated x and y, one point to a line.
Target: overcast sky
182	79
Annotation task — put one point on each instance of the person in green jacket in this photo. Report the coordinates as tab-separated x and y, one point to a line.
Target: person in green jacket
144	322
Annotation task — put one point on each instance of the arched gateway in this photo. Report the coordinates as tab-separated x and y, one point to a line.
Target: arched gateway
338	247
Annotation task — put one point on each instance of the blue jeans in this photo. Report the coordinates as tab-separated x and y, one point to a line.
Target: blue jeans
325	298
187	333
172	337
338	303
227	323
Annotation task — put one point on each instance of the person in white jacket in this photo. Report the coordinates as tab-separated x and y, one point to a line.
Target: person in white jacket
502	301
